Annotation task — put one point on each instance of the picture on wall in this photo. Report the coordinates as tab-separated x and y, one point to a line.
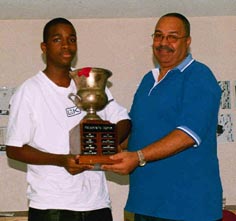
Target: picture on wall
234	86
226	95
225	128
5	96
2	138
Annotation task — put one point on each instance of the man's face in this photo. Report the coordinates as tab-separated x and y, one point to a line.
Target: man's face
61	46
170	54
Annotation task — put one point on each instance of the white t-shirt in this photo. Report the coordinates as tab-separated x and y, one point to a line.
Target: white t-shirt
41	115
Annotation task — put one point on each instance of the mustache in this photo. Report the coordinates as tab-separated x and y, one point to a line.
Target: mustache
164	47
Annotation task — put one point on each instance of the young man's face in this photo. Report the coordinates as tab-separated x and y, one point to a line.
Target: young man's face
61	45
170	54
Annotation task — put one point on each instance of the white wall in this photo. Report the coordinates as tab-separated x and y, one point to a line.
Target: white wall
124	47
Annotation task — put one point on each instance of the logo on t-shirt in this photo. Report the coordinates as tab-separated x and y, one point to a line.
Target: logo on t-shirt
72	111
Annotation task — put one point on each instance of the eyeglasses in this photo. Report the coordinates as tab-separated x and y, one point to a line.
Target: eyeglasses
170	38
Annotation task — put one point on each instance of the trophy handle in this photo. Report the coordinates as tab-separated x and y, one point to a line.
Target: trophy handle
76	99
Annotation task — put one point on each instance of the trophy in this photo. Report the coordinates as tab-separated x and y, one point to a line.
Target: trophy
93	138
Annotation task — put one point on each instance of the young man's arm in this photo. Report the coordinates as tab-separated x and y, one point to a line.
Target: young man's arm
30	155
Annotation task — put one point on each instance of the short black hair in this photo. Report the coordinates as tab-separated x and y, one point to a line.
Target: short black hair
182	18
52	23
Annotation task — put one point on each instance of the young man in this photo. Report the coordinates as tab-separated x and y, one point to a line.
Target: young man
173	150
40	119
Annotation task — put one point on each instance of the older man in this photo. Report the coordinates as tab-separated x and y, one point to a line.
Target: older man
172	150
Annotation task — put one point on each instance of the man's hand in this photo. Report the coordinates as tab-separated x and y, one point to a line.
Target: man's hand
127	162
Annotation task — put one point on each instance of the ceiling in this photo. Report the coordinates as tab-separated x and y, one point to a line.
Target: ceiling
87	9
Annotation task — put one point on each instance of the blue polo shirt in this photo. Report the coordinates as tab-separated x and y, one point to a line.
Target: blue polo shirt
185	186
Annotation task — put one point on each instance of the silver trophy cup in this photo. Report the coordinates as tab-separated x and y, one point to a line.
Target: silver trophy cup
91	96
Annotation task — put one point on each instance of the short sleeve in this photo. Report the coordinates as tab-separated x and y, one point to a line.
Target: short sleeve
201	99
113	111
20	119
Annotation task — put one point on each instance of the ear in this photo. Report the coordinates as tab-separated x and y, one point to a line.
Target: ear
43	47
189	39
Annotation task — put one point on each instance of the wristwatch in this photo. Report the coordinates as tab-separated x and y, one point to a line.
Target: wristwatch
141	158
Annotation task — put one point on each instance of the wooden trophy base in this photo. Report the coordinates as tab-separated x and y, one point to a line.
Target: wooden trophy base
98	141
95	160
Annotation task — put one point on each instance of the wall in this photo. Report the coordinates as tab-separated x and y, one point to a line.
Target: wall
124	47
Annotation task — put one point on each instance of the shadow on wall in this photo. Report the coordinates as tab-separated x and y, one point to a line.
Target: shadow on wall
17	165
116	178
